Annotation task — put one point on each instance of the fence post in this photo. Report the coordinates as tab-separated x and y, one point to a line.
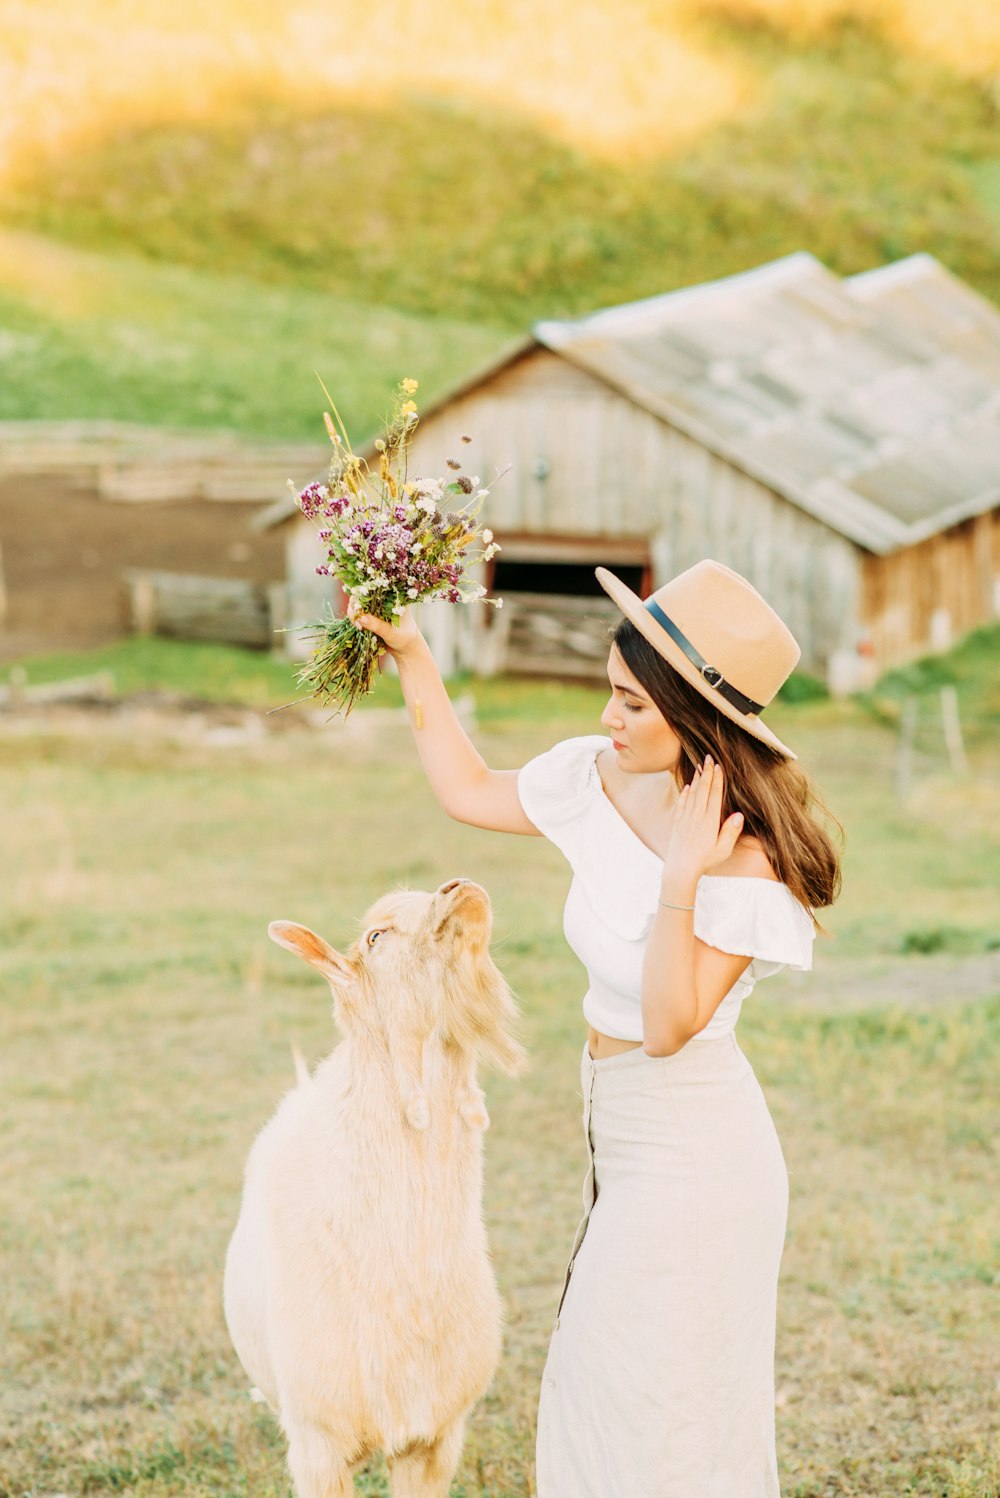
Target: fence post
952	725
904	749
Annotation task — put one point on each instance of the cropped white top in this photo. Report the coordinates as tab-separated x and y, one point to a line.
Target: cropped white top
616	885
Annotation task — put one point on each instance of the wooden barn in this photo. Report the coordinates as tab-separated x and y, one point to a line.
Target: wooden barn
835	440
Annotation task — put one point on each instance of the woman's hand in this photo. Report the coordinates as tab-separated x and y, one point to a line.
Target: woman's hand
398	638
697	842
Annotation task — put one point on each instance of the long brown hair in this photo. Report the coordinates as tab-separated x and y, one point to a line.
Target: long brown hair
779	803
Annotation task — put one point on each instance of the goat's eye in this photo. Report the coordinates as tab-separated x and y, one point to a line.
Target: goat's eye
373	937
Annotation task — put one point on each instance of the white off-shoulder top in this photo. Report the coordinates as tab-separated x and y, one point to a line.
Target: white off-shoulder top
615	889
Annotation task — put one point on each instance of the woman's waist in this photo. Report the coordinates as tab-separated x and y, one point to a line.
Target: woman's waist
600	1046
625	1064
615	1022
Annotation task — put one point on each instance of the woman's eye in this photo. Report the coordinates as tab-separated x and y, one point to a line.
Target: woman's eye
373	937
633	707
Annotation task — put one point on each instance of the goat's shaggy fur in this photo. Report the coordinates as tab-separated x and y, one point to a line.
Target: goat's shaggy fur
358	1291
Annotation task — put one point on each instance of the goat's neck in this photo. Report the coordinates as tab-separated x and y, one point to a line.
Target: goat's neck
399	1066
403	1069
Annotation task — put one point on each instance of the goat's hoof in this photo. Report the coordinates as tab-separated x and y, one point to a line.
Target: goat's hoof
473	1111
418	1112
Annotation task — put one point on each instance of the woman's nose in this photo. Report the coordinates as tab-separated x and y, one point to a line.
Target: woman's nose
610	715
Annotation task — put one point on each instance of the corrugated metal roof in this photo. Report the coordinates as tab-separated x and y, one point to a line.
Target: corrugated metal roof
872	402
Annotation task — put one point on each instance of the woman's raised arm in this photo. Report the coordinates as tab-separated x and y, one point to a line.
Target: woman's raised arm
466	787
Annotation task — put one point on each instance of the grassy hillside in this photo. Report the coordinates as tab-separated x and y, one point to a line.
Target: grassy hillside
111	335
847	148
473	173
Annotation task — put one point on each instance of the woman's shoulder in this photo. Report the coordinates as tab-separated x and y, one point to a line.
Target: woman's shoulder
743	907
748	860
558	784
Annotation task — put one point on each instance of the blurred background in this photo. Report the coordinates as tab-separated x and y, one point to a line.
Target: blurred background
699	279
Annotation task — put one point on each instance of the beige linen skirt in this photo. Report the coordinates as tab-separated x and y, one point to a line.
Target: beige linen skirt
659	1381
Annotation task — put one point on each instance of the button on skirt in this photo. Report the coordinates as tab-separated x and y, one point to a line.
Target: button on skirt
659	1381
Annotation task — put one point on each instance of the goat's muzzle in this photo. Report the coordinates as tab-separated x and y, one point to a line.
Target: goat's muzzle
465	896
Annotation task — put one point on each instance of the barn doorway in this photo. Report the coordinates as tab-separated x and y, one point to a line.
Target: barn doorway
556	616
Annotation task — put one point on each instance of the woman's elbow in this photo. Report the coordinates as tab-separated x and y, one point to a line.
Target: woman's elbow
664	1045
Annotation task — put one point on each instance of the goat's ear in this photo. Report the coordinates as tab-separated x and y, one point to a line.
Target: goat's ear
313	949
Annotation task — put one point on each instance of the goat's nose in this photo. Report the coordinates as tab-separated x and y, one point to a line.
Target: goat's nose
446	889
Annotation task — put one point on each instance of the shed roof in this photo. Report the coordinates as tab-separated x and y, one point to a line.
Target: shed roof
872	402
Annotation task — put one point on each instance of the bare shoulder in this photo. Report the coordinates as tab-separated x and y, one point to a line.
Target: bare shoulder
747	861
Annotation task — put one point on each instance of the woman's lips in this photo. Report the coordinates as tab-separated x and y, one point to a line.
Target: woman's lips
617	745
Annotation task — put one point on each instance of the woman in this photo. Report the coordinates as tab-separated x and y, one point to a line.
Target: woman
697	863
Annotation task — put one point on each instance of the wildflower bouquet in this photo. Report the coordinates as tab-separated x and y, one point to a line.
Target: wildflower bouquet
389	544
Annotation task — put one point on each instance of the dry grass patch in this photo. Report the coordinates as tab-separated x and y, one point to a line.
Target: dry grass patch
146	1024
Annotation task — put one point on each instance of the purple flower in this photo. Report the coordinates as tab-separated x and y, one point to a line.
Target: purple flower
323	571
313	498
400	512
453	595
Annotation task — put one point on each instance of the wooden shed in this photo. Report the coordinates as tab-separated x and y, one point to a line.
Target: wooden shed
835	440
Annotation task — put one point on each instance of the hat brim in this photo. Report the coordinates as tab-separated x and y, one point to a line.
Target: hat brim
636	612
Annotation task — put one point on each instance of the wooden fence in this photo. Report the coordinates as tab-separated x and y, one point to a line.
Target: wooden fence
129	462
225	610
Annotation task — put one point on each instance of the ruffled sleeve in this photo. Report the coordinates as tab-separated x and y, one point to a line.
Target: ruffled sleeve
555	791
756	918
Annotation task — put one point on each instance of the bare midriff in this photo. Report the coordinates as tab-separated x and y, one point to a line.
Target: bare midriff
606	1045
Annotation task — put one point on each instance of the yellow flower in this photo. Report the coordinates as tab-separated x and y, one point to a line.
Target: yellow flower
408	408
409	386
331	430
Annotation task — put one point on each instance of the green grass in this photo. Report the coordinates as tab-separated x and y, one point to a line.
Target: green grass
145	1024
439	210
417	238
112	335
970	668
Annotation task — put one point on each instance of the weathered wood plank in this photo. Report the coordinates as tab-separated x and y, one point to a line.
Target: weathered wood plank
188	607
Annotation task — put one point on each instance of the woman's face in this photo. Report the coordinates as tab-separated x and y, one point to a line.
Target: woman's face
643	739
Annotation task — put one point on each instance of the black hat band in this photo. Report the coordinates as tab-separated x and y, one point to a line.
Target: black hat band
715	678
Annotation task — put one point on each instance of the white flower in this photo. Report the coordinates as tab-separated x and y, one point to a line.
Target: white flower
426	504
417	546
483	494
474	481
487	537
411	592
477	592
398	608
498	602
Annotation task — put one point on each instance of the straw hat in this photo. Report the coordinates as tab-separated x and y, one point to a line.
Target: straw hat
717	632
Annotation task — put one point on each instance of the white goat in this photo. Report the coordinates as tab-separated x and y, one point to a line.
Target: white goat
359	1292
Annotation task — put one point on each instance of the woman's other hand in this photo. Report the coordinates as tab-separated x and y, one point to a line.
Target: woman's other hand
398	638
697	842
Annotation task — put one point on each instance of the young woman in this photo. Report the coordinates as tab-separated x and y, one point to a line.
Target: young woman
697	863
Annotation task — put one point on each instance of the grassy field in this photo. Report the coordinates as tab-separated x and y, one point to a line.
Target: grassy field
146	1023
101	336
330	215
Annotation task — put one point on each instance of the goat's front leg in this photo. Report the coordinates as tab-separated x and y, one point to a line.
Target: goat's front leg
427	1471
317	1468
408	1070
